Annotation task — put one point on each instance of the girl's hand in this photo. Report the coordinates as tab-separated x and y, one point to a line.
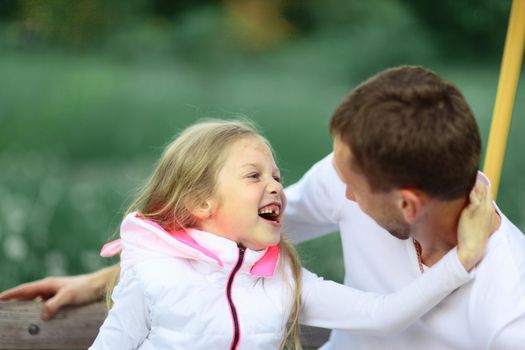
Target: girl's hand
476	223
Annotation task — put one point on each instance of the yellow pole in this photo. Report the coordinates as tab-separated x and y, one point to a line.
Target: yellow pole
508	82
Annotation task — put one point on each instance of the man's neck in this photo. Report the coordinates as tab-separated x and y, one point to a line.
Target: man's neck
436	230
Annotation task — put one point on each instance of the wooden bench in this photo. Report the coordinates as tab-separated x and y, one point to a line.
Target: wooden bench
76	327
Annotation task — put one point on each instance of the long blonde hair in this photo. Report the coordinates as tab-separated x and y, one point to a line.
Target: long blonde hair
291	339
185	176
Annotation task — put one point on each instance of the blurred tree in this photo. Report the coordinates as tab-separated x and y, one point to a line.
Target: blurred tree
469	26
170	8
310	15
459	28
78	23
258	24
7	8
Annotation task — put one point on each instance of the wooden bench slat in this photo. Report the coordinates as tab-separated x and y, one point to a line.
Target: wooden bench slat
71	328
75	327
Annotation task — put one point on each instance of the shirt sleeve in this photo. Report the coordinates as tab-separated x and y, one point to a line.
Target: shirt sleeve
128	321
327	304
313	203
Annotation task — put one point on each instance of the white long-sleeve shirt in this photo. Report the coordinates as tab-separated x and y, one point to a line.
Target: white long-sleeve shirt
488	313
196	290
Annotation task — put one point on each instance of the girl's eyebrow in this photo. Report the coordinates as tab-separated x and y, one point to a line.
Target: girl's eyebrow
248	165
255	165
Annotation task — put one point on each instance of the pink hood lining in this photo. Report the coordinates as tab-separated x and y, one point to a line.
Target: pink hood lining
137	232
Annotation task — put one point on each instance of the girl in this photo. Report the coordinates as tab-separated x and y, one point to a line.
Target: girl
204	264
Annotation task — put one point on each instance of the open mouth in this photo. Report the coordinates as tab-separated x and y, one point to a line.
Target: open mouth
271	212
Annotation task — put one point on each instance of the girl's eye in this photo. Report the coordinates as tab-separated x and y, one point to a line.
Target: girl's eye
277	178
254	176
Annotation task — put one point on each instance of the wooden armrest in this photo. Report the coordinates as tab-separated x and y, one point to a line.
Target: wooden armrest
75	327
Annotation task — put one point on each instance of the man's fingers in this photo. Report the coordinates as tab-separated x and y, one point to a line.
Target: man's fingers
30	291
20	292
51	306
477	193
480	197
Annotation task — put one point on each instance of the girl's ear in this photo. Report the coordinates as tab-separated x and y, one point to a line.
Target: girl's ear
410	203
204	210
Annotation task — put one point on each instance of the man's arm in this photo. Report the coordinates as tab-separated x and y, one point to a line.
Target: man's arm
67	290
314	203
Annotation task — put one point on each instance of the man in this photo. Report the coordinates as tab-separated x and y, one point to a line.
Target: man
407	148
406	153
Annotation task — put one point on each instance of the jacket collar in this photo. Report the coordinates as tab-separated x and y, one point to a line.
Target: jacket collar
142	239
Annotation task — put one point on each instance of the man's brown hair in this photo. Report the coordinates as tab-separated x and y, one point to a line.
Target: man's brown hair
409	128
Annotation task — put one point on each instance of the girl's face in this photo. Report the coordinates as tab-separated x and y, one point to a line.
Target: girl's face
248	201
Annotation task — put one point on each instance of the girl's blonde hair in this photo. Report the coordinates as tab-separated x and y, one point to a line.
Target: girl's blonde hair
186	175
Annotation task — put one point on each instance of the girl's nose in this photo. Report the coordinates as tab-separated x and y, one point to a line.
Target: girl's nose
275	187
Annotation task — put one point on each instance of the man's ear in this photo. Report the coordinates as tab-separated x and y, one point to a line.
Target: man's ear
410	203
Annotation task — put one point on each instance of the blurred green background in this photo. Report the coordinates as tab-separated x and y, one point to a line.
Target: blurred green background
91	90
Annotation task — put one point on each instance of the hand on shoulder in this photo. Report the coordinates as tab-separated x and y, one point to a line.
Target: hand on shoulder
476	223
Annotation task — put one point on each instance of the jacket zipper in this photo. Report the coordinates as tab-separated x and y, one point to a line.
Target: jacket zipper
236	328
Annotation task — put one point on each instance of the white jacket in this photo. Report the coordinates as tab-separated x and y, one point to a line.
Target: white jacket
196	290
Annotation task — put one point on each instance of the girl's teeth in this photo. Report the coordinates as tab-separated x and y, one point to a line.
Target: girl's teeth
268	211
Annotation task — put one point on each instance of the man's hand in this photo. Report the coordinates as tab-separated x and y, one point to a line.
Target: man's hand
61	291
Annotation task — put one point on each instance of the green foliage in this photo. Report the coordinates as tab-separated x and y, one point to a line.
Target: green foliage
474	28
76	23
461	29
81	128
